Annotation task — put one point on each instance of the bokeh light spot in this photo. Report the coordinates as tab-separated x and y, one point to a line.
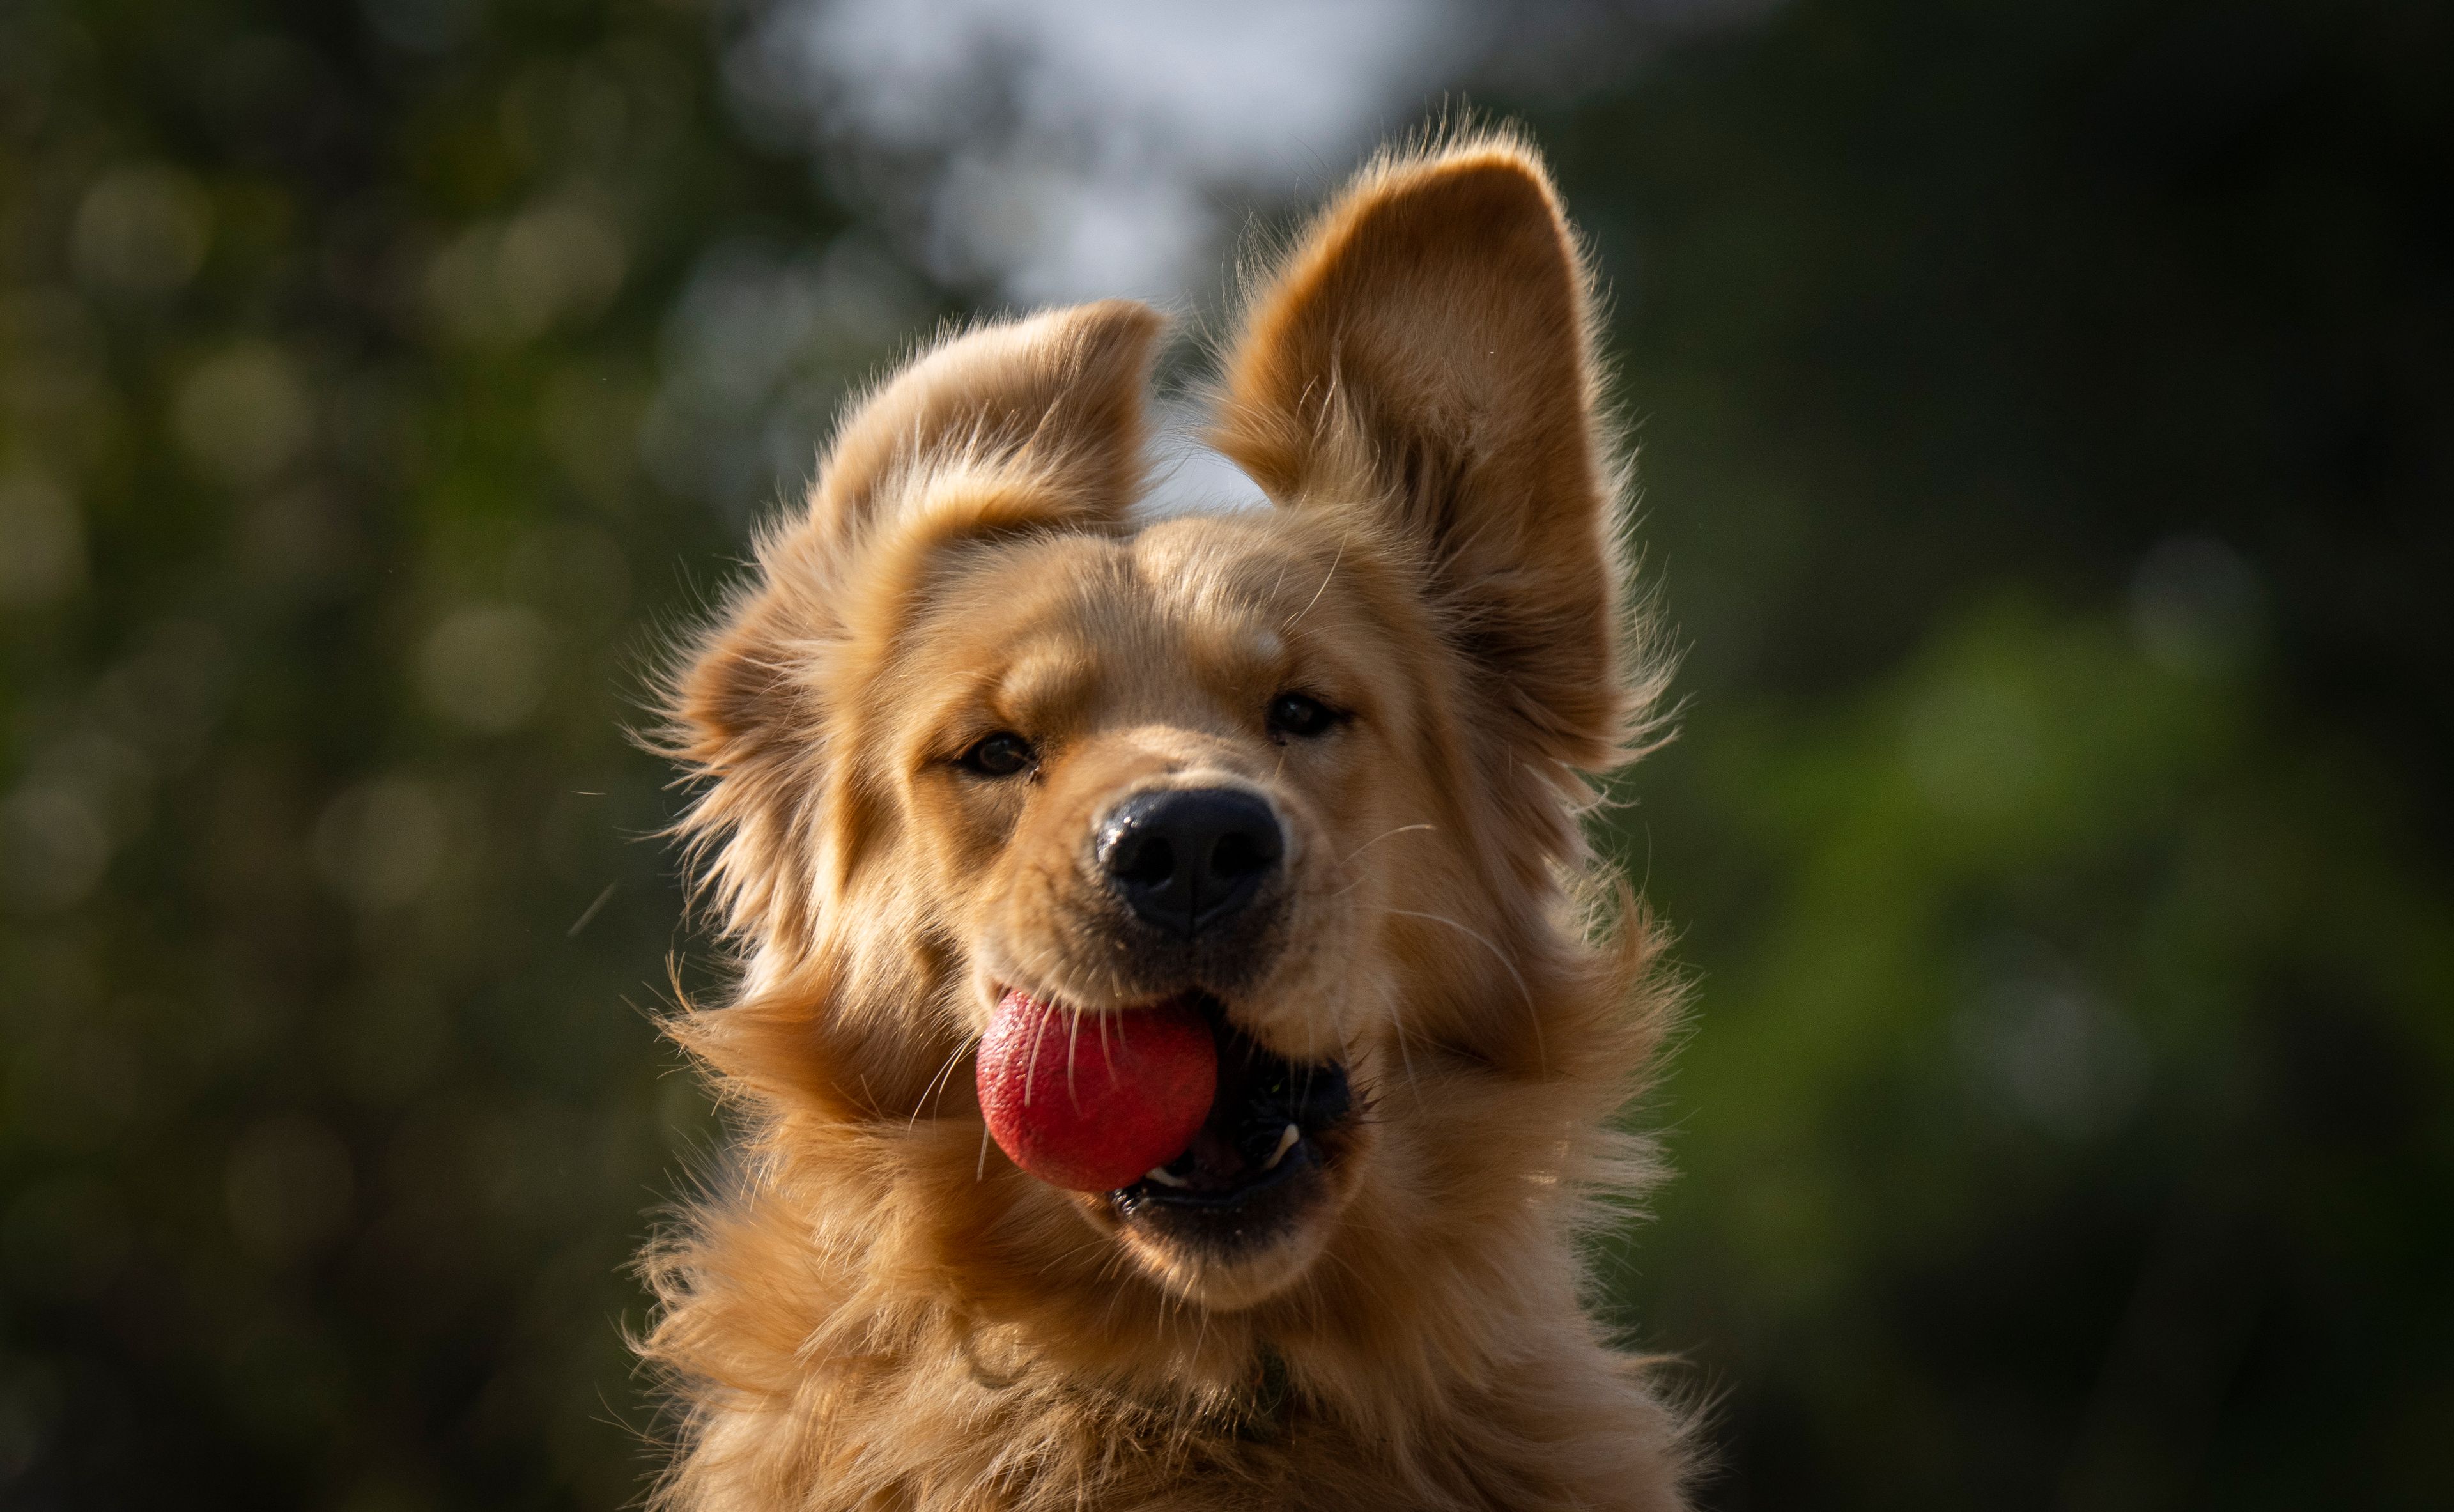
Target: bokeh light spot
484	667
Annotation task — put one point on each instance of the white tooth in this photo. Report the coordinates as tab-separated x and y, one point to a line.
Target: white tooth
1159	1174
1287	1137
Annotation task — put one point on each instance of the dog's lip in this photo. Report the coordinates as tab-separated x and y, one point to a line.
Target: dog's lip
999	990
1263	1130
1301	1160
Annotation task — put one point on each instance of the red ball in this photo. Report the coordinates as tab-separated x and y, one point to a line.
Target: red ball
1091	1102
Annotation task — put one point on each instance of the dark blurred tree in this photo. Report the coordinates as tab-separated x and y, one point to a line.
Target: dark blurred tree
331	558
2046	417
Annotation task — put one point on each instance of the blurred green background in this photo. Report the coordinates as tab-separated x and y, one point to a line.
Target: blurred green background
2047	415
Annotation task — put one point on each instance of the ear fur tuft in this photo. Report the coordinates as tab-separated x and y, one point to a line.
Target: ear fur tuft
1063	390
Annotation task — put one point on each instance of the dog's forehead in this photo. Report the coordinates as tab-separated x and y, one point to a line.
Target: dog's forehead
1213	585
1186	614
1251	568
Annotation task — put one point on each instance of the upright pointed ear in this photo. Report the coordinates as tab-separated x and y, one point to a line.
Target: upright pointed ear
1424	360
1027	423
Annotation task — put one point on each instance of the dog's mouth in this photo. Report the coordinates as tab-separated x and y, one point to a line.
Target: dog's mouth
1275	1126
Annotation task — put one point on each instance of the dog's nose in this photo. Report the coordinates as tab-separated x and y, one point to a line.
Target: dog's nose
1186	857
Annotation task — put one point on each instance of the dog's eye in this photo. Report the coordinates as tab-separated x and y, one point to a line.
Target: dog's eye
1001	754
1301	714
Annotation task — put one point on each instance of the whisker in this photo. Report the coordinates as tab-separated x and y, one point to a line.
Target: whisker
1085	1247
1031	1069
1402	828
1324	583
1073	1036
937	1083
1359	880
1405	1050
1533	1013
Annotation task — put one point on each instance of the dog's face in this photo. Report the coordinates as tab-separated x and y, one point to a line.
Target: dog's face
1145	768
1307	767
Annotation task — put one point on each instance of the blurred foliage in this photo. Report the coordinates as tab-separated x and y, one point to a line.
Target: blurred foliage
333	561
2046	438
2047	426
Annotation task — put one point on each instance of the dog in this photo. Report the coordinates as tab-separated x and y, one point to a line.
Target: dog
1358	728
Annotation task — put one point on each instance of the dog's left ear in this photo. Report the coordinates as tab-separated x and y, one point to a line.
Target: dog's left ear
1424	359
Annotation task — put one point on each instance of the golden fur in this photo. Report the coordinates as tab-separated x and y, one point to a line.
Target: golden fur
878	1309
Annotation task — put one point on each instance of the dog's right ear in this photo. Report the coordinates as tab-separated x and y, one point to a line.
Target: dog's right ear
1023	425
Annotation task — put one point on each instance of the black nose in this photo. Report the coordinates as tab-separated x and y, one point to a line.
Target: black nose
1187	858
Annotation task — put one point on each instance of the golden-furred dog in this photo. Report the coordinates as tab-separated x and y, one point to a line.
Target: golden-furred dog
1317	769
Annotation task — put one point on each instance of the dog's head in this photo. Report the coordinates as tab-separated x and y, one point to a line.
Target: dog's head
1312	768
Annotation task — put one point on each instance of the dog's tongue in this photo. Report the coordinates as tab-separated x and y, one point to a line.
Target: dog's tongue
1091	1102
